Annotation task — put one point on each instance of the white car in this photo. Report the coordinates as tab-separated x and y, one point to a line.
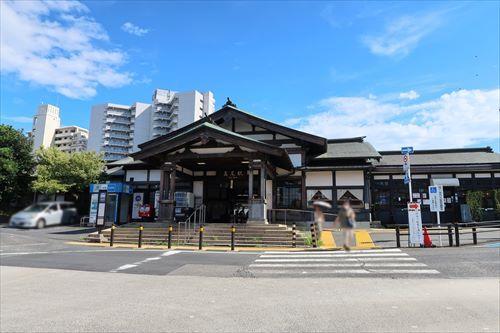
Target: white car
43	214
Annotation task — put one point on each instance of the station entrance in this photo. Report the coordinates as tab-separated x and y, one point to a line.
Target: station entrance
226	195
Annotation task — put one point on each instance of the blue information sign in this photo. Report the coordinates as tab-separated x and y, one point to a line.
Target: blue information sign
406	150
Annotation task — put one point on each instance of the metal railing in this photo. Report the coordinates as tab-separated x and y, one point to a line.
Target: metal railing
301	218
191	224
451	231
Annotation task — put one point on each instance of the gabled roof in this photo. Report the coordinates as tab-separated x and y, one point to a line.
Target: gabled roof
460	156
318	143
188	134
349	148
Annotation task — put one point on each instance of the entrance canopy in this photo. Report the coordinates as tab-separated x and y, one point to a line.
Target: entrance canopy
207	145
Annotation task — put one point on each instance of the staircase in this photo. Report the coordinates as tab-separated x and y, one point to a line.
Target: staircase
215	234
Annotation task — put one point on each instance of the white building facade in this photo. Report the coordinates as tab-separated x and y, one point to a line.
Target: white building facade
117	130
71	139
111	130
45	123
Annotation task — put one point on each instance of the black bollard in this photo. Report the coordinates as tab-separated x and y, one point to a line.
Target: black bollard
450	236
112	236
474	235
139	243
169	239
233	231
398	237
457	236
313	235
200	243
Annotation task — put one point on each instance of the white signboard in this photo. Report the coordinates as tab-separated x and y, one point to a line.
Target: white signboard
94	201
415	224
436	198
138	199
157	203
100	213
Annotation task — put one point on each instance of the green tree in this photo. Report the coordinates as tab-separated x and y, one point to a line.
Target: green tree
60	172
16	166
475	201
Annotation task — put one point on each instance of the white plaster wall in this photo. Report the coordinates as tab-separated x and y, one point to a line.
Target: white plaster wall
269	193
198	188
154	175
296	159
319	178
349	178
483	175
138	175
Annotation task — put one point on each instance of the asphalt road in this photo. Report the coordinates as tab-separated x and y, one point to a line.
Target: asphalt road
48	285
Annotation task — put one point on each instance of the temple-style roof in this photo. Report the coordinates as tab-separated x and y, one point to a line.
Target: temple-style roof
205	131
349	148
226	113
442	156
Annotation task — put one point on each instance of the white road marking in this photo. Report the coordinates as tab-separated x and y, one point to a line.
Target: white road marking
333	259
332	271
138	263
20	245
121	268
385	264
151	259
81	251
169	253
341	255
380	261
306	253
404	271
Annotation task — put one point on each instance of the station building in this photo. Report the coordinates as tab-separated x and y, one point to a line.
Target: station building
233	159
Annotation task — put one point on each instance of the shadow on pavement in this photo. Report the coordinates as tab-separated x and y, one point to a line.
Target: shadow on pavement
75	232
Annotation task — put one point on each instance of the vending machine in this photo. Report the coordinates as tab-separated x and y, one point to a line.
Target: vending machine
184	205
109	204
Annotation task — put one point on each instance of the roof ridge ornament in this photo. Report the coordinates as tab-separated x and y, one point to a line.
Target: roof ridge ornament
229	103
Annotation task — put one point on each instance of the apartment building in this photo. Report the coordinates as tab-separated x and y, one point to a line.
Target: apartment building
111	130
45	123
71	139
47	131
117	130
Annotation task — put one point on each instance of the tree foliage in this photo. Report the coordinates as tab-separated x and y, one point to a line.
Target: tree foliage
16	165
60	172
475	200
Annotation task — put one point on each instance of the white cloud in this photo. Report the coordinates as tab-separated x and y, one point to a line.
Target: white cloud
54	44
457	119
19	119
411	95
402	34
134	29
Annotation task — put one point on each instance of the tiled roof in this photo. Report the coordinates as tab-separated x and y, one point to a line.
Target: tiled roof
442	157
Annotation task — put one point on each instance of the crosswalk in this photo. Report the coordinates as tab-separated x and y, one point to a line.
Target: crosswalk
333	263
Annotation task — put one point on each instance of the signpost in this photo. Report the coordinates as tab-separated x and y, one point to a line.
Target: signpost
406	151
415	224
436	201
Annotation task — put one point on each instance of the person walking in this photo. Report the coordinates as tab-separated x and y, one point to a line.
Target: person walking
319	216
346	219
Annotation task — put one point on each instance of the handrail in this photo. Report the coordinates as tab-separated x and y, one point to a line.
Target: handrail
193	221
289	216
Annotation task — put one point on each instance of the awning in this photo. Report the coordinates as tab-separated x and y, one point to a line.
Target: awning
445	181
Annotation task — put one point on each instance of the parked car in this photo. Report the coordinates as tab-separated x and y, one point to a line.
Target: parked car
43	214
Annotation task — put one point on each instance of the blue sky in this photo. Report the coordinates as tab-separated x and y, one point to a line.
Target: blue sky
402	73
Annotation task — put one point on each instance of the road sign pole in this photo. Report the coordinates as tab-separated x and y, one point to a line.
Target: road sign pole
409	176
439	226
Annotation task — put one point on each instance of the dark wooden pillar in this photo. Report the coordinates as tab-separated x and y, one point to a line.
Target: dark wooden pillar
250	182
167	189
262	181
